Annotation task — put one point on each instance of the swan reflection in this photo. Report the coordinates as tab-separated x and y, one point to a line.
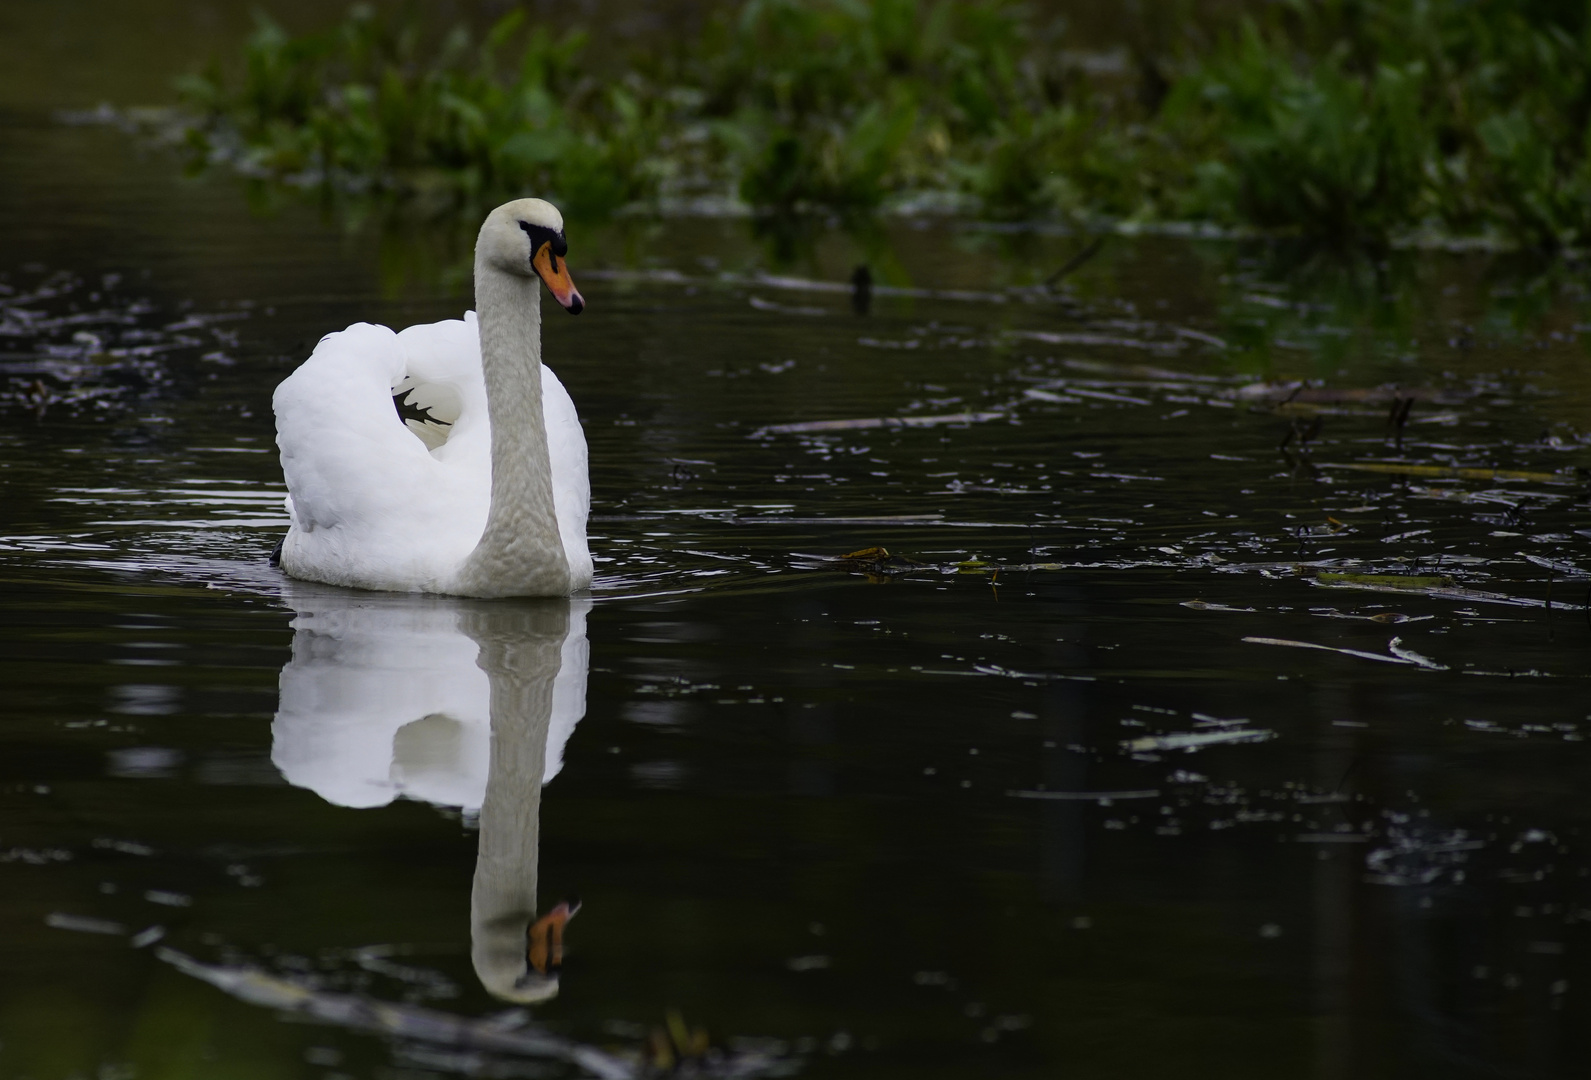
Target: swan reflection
453	702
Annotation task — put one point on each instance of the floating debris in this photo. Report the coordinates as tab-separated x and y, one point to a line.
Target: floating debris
126	847
876	560
1415	860
1395	582
1030	676
1099	341
1105	395
120	350
1395	647
879	422
35	856
169	899
1557	566
1441	589
83	924
1197	740
1297	393
442	1035
147	936
1399	655
1033	393
1450	472
784	309
677	1048
878	519
359	1013
1104	798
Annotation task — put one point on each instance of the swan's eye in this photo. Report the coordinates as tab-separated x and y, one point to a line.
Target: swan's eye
540	234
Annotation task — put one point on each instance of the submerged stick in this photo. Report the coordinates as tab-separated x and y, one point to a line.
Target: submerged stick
1448	472
1401	656
1075	262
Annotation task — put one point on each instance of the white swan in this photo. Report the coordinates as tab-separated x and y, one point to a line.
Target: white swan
445	458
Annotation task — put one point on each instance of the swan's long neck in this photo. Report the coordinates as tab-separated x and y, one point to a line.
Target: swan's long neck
520	552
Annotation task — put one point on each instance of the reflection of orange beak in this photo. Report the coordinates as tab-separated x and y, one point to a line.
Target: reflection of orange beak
555	272
546	933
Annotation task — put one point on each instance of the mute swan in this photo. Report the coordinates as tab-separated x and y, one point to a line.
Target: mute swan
445	458
454	703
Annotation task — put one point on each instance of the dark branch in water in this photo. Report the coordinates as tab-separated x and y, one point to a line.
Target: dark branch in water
1074	263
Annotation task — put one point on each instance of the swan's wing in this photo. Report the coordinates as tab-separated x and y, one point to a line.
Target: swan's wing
443	383
348	460
571	476
448	351
372	506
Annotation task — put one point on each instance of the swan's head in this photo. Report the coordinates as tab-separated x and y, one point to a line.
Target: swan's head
525	238
543	958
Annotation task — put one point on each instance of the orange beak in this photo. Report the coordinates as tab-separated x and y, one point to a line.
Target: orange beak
546	933
555	272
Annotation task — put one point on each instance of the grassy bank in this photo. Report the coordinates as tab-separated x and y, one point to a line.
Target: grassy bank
1372	121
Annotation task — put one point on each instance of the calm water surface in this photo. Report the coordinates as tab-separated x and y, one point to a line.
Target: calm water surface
1102	772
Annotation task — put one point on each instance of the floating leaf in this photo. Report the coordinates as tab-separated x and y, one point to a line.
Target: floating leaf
871	554
877	562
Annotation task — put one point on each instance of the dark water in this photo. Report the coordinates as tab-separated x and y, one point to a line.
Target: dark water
1095	775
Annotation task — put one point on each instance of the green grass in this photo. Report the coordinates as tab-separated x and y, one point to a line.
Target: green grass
1351	121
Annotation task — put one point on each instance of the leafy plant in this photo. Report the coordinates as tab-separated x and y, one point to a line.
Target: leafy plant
366	106
1321	151
1347	120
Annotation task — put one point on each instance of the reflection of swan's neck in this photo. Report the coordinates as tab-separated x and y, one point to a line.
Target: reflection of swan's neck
520	652
520	552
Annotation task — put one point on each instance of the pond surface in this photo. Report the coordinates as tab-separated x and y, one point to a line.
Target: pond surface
1200	721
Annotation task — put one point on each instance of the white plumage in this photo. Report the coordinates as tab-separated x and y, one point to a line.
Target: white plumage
458	505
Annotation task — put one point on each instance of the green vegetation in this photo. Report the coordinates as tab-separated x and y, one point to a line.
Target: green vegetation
1368	121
